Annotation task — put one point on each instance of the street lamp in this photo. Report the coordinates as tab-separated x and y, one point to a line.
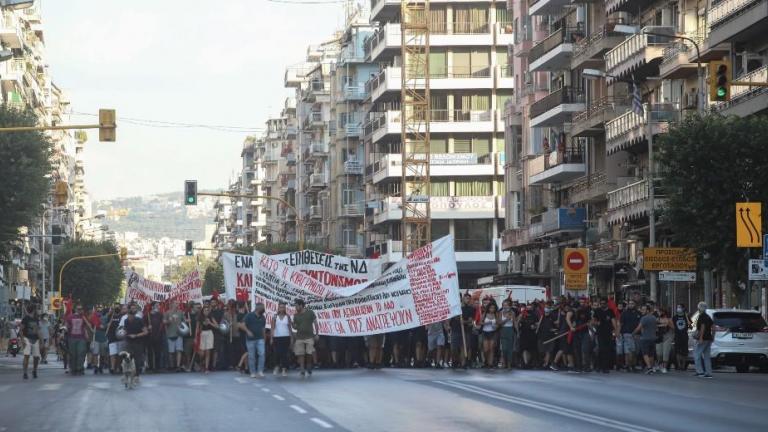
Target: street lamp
633	30
594	73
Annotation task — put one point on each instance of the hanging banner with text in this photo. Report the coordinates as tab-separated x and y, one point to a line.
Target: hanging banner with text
420	289
144	291
332	270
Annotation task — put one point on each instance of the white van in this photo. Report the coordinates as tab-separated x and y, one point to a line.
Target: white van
519	293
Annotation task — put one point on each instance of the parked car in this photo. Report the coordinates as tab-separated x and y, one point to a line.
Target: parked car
741	339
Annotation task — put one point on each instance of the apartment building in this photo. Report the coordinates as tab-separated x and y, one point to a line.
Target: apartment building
470	82
578	170
346	153
25	82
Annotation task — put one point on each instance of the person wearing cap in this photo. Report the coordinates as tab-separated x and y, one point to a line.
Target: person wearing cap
305	325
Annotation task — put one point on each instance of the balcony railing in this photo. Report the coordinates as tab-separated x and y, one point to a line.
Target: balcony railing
354	93
315	212
757	75
317	180
563	219
353	167
597	108
630	194
633	45
722	11
571	155
564	95
631	121
352	210
547	45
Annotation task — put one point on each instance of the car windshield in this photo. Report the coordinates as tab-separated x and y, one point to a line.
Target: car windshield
740	321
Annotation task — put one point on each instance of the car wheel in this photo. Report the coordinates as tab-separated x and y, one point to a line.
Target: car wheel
742	368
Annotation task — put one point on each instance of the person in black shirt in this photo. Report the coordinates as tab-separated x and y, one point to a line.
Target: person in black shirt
135	330
30	336
703	340
546	330
681	324
112	340
582	345
460	339
605	322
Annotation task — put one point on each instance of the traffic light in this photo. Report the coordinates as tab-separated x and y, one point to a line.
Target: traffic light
107	125
720	81
123	253
56	232
190	192
61	194
189	248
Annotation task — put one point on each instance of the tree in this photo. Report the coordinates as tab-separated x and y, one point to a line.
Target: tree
709	164
25	161
214	279
89	281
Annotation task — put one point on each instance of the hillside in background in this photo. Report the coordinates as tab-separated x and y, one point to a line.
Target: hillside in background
157	216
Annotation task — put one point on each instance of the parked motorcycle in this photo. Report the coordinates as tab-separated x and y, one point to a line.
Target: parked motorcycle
13	346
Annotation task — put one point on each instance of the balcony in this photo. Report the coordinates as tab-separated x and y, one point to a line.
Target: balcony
442	121
441	165
629	129
314	119
557	107
630	202
631	6
389	251
737	21
747	100
352	210
350	130
13	70
384	10
353	93
675	63
317	149
590	189
290	158
10	31
590	51
441	207
315	212
389	80
547	7
558	167
317	182
353	167
554	52
638	55
591	122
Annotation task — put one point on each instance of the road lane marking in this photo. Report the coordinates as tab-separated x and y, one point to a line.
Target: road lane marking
197	382
299	409
242	380
550	408
264	389
278	397
50	387
148	384
321	423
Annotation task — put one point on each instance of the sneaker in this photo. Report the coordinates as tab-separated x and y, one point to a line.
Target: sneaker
552	368
285	373
309	372
253	375
34	374
261	374
276	371
707	376
303	374
698	374
664	370
26	376
649	371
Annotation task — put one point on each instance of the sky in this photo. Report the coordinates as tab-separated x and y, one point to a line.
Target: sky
187	61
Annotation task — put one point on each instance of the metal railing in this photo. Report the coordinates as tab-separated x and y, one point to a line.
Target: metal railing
470	27
571	155
317	180
757	75
630	121
629	194
563	95
582	47
631	46
721	12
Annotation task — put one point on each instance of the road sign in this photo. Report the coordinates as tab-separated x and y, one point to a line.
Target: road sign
576	261
576	281
660	259
758	271
765	247
56	303
749	224
671	276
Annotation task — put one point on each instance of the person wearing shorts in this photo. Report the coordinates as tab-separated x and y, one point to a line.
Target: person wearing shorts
625	341
305	325
172	319
30	333
436	342
647	330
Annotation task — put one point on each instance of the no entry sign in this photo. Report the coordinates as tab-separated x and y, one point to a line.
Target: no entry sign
576	260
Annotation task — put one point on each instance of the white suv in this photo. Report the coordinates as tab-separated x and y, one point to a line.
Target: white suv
741	339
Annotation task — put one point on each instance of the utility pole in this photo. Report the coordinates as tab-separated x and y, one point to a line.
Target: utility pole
651	197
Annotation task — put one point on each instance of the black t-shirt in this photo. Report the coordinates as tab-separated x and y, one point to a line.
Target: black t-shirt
467	313
604	319
704	326
31	327
158	328
681	325
630	318
133	325
112	329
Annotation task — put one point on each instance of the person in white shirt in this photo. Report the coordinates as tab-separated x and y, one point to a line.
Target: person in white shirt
282	338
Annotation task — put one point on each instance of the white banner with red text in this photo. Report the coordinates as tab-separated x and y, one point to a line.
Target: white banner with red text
144	291
420	289
332	270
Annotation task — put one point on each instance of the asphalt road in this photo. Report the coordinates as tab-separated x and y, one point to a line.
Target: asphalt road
387	400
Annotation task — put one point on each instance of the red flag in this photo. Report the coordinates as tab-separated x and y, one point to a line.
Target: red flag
615	309
478	314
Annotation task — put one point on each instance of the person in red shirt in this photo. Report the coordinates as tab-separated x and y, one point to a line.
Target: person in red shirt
78	328
94	319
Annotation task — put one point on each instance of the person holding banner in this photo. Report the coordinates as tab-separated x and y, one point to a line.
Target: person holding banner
305	325
206	325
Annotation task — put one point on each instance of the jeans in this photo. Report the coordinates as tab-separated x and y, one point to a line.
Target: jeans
255	346
77	350
701	354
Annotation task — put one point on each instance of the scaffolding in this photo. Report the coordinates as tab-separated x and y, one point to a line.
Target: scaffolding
414	119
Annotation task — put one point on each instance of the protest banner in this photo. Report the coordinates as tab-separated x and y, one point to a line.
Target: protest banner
144	291
420	289
332	270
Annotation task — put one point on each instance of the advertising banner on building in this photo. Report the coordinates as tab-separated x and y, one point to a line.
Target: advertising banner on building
144	291
332	270
420	289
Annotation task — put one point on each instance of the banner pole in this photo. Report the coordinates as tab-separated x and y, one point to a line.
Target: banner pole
464	339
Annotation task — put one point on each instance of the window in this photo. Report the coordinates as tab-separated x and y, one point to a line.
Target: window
348	196
440	228
438	67
438	145
439	188
462	145
502	14
474	188
473	235
481	146
349	237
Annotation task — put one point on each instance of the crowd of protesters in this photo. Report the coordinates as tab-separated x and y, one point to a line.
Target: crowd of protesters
573	334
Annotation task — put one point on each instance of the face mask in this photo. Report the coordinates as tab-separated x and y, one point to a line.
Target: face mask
679	310
547	310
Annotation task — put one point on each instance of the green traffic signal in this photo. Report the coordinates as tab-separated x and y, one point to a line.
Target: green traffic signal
721	92
190	192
